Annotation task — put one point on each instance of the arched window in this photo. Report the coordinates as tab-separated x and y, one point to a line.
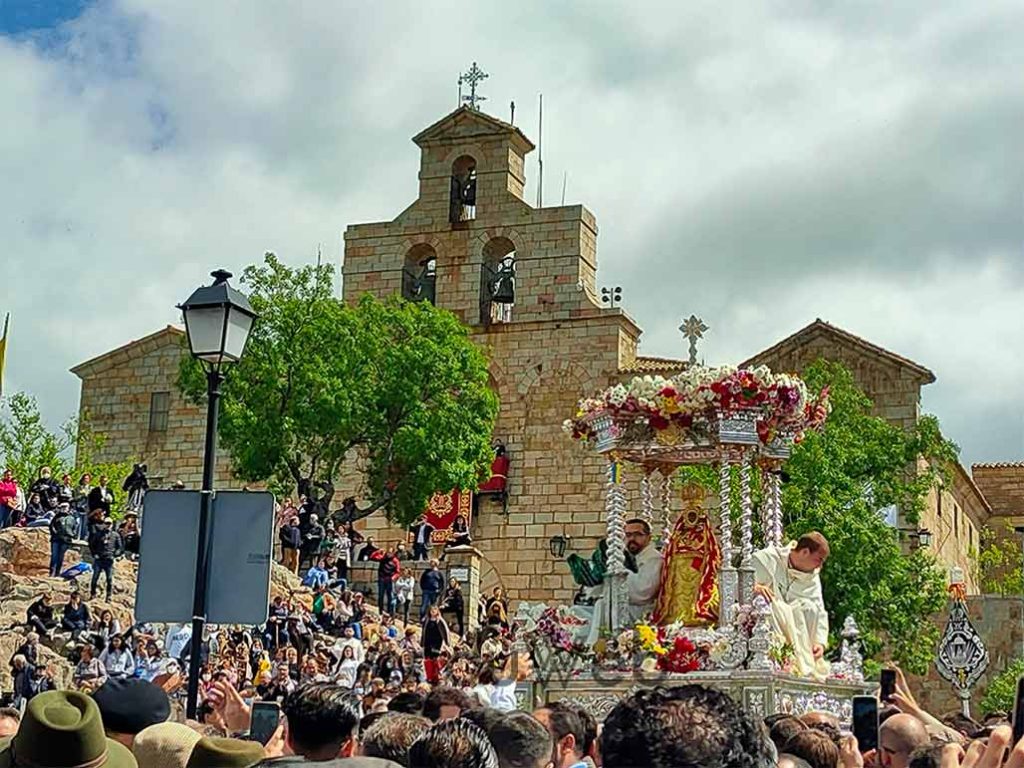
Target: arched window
462	206
498	281
419	275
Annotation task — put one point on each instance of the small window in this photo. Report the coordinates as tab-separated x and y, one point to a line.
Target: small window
159	405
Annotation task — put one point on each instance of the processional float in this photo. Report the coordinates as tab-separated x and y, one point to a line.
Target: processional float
742	423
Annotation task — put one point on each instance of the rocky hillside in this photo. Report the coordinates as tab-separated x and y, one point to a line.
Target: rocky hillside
24	562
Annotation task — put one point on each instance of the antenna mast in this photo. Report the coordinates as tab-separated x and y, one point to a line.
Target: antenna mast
540	153
565	179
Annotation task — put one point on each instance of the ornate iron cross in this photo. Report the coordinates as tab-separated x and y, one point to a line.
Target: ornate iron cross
471	78
693	328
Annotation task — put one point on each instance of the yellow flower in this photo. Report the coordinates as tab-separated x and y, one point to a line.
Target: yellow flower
649	639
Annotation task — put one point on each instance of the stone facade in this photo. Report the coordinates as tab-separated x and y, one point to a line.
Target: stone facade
955	514
130	397
554	345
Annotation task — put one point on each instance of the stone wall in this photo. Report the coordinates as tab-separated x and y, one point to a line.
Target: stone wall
1000	622
116	398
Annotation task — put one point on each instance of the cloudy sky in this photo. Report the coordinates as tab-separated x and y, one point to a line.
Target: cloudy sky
757	163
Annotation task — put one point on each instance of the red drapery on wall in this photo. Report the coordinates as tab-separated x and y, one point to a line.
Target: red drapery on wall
443	508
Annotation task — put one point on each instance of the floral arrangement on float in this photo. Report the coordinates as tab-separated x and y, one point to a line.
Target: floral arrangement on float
691	400
645	648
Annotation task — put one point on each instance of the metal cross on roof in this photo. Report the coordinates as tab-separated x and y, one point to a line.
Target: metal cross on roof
693	328
471	78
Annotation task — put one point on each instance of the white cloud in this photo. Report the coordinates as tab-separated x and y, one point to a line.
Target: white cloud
756	165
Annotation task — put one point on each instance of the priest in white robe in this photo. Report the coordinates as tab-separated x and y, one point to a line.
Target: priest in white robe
788	577
641	587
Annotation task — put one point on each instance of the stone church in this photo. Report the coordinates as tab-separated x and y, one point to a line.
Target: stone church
523	280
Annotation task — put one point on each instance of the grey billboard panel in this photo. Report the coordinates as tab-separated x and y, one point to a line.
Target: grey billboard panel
241	535
239	581
167	556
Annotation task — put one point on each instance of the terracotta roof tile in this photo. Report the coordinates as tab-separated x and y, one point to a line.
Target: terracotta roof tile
999	465
646	364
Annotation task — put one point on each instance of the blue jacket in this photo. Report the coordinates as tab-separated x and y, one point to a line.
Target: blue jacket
432	580
316	577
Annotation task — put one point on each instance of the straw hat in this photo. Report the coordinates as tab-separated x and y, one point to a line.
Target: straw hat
164	745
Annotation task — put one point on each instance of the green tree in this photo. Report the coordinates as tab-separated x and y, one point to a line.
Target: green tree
1002	691
841	482
27	445
998	564
392	389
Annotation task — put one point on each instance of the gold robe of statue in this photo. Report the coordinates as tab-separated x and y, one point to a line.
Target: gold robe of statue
689	571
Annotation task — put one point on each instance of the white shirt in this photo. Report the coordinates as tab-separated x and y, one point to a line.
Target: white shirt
357	647
178	637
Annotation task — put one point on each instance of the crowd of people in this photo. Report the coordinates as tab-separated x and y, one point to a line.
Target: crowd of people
127	722
359	684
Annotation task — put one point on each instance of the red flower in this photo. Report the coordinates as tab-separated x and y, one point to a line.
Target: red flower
658	421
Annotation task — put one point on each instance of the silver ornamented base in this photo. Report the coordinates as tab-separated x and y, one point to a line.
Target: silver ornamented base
762	693
746	584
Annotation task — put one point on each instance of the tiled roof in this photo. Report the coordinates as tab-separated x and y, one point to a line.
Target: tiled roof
655	365
821	326
999	465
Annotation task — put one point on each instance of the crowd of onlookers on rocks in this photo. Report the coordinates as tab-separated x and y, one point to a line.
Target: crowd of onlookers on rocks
129	722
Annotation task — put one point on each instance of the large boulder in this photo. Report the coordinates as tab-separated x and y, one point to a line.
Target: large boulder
289	586
26	552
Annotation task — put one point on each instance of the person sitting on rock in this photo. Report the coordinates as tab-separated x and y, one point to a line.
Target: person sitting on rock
35	512
105	628
90	673
76	617
42	680
117	660
29	649
40	616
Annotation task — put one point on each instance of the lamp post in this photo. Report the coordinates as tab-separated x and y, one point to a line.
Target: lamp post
218	319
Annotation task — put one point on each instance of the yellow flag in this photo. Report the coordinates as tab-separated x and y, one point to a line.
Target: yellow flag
3	350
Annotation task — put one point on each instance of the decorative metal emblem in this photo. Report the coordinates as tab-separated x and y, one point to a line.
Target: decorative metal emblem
693	328
851	663
962	656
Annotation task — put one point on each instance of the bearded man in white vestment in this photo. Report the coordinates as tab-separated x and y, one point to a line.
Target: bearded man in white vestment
788	577
641	586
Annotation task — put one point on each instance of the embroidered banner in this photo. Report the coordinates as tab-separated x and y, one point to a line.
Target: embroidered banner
443	508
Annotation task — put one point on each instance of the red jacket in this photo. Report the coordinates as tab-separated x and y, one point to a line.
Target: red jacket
8	492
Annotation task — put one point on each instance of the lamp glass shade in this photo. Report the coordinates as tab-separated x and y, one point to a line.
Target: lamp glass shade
239	323
925	537
205	327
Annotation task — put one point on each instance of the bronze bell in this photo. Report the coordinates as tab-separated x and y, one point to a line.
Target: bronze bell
503	290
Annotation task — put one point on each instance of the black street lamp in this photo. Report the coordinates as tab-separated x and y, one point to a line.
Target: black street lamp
557	546
217	320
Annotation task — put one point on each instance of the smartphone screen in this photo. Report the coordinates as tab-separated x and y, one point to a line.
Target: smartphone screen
1018	712
865	722
888	681
266	716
